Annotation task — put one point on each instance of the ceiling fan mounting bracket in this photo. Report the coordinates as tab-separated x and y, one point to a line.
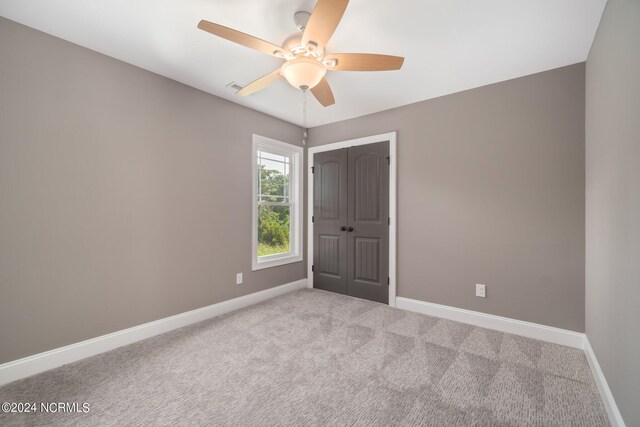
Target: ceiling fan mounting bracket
300	18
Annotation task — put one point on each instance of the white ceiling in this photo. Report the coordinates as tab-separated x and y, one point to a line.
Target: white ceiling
449	45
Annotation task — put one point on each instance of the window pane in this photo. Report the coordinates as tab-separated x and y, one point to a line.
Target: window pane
273	175
273	230
272	156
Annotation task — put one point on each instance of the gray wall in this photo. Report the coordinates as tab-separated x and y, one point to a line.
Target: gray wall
613	202
491	190
125	196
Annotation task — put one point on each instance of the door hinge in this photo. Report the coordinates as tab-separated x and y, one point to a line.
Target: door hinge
313	218
388	281
388	220
313	169
313	267
388	160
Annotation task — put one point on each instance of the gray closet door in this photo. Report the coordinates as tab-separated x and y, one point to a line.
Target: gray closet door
330	220
368	222
351	221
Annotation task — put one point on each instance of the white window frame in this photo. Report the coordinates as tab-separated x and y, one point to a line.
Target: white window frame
295	153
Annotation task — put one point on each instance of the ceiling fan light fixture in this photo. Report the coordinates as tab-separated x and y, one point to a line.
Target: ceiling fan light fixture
303	73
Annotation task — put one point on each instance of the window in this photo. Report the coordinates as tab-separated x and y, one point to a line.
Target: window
277	197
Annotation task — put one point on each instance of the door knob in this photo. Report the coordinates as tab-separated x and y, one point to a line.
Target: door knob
343	228
350	229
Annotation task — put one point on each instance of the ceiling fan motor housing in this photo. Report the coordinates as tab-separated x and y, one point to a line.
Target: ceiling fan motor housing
293	43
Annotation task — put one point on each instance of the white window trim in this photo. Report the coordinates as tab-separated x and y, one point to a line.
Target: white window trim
296	200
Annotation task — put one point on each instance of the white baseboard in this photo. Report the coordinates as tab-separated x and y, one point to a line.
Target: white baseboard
37	363
607	397
499	323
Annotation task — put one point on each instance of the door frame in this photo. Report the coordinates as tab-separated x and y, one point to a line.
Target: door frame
391	137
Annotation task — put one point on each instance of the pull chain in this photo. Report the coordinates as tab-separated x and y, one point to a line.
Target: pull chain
304	117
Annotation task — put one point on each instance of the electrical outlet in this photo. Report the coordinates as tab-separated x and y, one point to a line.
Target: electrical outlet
238	278
481	290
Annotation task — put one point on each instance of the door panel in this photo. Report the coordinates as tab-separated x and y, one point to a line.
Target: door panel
329	255
330	214
368	218
367	259
329	175
366	187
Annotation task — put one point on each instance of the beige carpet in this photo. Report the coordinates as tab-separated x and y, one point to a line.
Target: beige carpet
317	358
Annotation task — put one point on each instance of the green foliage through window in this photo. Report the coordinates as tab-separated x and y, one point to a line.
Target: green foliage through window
274	211
274	225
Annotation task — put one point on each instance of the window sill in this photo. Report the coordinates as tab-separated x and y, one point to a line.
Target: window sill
259	265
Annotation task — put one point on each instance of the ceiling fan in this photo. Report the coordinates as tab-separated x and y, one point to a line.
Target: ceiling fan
306	60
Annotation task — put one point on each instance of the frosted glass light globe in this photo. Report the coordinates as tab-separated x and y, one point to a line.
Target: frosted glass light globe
303	73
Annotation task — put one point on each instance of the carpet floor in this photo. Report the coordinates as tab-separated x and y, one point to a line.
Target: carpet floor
317	358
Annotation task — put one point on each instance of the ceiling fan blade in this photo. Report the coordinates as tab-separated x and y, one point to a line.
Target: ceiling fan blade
323	21
322	92
260	83
242	38
363	62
